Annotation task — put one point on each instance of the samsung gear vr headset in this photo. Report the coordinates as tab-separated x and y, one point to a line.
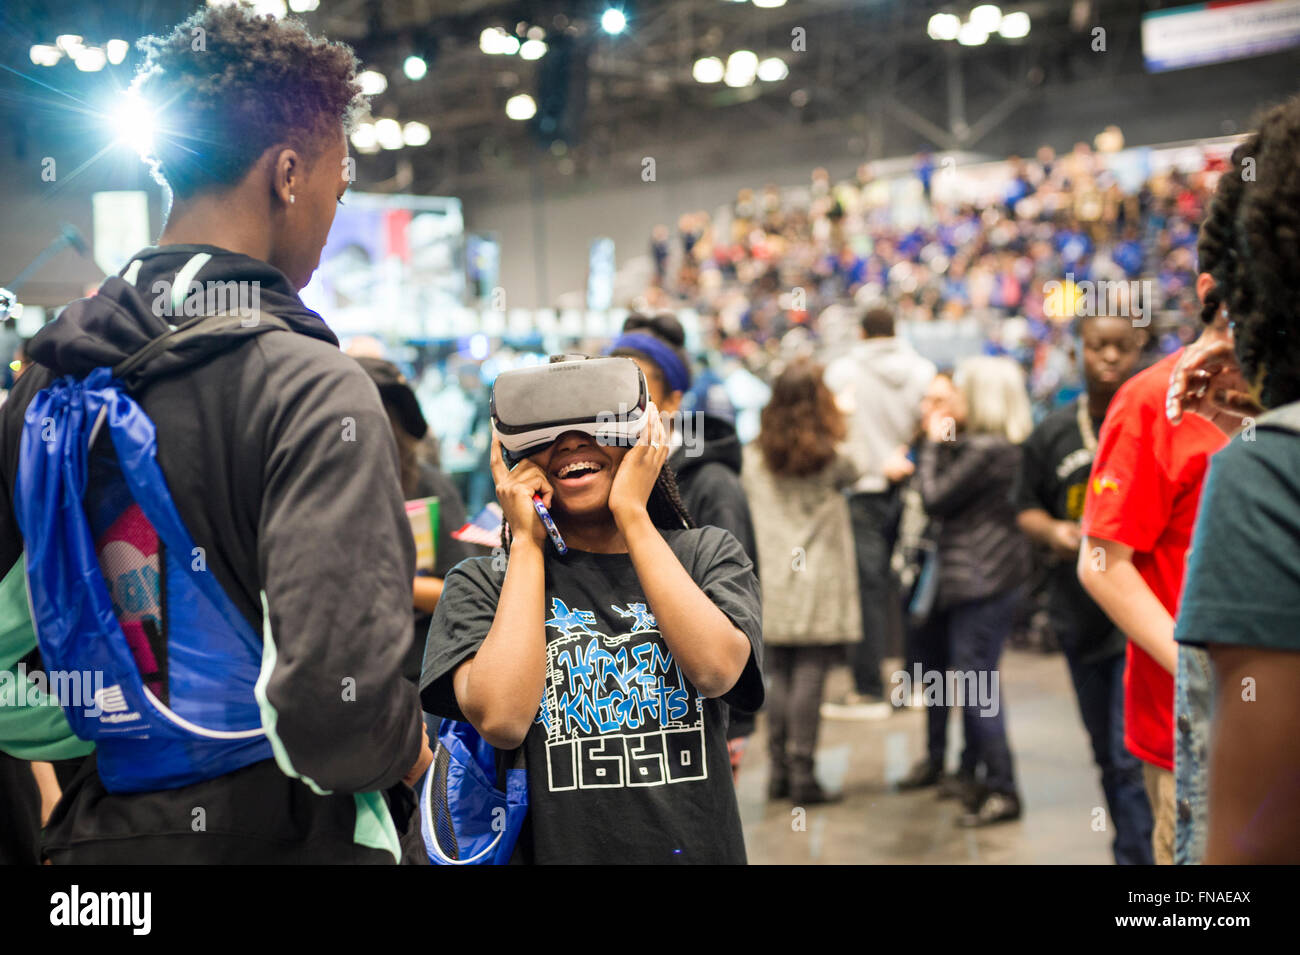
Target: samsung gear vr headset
603	397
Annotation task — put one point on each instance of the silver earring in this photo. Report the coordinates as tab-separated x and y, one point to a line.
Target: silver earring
291	199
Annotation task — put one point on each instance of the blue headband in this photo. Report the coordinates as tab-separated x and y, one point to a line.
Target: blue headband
676	375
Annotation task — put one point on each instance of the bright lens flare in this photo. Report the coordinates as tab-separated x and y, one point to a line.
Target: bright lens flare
613	21
134	123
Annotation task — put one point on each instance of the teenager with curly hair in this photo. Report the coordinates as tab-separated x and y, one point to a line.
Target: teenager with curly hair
279	460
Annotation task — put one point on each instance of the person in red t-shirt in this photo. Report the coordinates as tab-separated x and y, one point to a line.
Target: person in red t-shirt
1137	524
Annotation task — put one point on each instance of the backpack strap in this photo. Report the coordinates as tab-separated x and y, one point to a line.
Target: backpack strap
1283	418
131	370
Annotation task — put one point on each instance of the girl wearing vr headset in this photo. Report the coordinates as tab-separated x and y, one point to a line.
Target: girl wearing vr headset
631	642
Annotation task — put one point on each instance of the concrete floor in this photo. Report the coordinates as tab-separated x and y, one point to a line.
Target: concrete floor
1059	787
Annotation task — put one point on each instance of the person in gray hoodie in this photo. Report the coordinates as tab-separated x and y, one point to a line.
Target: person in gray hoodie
879	384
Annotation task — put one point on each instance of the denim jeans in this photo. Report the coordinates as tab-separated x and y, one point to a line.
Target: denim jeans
1099	688
874	517
1193	709
930	647
977	629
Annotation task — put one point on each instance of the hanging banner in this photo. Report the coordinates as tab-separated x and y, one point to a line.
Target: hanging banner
1180	37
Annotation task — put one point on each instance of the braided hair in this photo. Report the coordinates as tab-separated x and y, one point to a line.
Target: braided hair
1214	246
1255	279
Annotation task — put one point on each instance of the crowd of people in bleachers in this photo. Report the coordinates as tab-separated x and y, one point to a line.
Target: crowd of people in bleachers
951	258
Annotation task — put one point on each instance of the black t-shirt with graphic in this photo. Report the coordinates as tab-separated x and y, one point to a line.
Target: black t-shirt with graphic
626	763
1054	477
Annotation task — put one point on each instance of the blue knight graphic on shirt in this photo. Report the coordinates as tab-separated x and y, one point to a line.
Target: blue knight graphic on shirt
642	618
566	620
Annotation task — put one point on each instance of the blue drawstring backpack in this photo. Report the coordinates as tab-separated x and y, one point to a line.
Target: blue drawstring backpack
121	595
470	813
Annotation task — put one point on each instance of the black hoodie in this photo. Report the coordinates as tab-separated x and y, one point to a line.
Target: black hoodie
710	483
710	487
280	459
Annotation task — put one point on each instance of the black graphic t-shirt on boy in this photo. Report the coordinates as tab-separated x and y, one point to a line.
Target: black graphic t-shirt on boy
626	762
1056	463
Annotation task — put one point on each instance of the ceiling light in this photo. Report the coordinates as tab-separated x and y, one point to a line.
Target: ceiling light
943	26
90	59
971	35
270	8
742	67
372	83
416	134
364	138
1014	26
43	54
773	69
389	134
414	67
532	49
498	42
986	16
521	106
708	70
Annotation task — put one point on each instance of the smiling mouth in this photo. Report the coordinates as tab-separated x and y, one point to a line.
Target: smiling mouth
578	473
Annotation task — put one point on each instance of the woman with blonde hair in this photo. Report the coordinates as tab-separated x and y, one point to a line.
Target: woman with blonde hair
997	402
967	472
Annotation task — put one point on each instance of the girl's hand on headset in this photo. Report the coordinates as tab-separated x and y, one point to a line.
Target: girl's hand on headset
515	490
639	469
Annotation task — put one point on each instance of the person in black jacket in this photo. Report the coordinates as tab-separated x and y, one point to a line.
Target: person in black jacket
967	474
706	456
278	456
420	479
706	452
